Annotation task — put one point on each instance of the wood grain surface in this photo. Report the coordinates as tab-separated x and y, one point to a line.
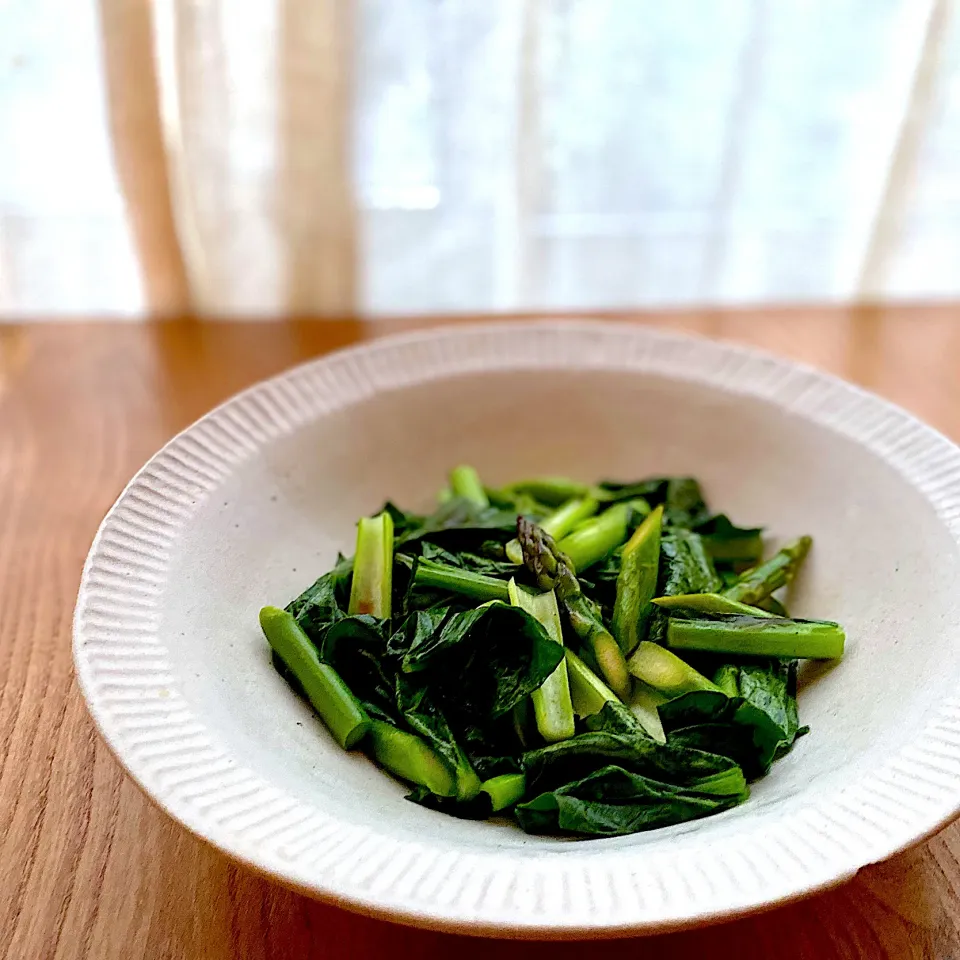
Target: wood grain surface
88	868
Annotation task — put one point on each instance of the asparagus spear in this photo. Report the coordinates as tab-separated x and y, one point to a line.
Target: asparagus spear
558	524
637	582
551	702
327	693
465	482
588	692
552	569
665	671
552	491
592	541
643	704
760	581
712	603
372	584
410	758
477	586
504	791
759	637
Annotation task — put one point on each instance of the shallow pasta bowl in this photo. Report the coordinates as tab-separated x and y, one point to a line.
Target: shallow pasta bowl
252	502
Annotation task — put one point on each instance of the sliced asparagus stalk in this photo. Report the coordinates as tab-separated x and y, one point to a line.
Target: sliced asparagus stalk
592	541
643	703
713	603
410	758
759	582
477	586
558	524
372	585
665	671
759	637
552	707
328	694
637	582
465	482
552	570
504	791
588	692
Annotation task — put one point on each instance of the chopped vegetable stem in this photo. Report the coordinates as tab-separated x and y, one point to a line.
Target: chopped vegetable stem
465	482
372	586
327	693
759	637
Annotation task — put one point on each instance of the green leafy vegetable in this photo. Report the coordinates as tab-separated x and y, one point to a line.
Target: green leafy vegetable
477	653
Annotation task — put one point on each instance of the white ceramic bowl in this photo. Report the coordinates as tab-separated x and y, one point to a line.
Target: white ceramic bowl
251	503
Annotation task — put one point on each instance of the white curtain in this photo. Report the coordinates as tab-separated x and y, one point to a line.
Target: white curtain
330	157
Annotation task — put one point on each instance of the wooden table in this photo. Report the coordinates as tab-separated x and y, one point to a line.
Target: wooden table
88	868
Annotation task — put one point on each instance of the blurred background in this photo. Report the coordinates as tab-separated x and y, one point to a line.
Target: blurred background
343	157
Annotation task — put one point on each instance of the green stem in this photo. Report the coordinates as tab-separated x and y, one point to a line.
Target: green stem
465	483
759	637
592	541
477	586
552	491
587	623
372	585
588	692
407	756
558	524
551	702
715	604
327	693
772	574
643	703
637	582
504	791
665	671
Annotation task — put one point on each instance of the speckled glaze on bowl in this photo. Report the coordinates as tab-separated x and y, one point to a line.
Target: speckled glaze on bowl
251	503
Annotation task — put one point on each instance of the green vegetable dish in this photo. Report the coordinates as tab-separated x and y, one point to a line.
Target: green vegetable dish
591	660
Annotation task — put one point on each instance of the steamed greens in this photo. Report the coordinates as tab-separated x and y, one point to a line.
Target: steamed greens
591	659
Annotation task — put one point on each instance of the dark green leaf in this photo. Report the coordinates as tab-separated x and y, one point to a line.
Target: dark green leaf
459	524
356	647
324	602
425	717
685	567
729	544
574	759
613	801
617	719
476	562
766	706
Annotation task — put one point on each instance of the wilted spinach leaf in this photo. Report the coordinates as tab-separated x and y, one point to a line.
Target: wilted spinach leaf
685	567
573	759
356	647
730	545
424	716
458	524
324	602
613	801
766	706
